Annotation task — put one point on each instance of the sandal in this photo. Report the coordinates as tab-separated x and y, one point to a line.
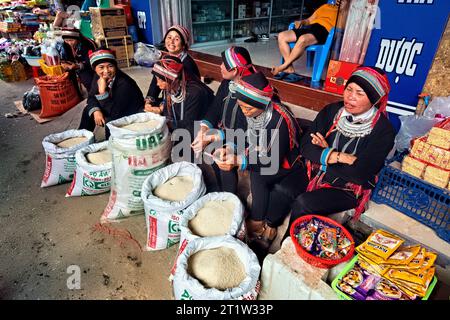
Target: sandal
293	77
281	75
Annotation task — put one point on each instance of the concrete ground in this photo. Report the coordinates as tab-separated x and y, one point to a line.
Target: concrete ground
43	233
46	237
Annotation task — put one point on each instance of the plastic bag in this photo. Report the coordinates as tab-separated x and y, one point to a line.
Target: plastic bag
237	226
186	287
438	106
146	55
60	162
90	179
412	126
163	216
31	99
135	155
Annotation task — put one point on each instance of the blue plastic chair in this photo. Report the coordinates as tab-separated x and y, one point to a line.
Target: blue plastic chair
317	55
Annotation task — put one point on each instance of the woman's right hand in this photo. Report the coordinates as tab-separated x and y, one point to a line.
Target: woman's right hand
151	108
201	140
98	118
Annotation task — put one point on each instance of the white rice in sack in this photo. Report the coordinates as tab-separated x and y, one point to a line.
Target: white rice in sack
166	194
175	189
60	151
141	126
91	178
99	157
214	214
216	268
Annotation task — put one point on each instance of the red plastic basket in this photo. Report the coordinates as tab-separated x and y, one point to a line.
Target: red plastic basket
317	261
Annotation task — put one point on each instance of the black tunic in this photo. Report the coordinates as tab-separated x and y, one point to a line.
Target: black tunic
124	99
81	57
182	115
371	150
287	156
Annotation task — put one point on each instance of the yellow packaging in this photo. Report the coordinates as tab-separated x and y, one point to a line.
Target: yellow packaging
406	290
371	266
382	243
430	258
437	176
403	255
413	167
420	279
362	250
439	137
418	260
420	290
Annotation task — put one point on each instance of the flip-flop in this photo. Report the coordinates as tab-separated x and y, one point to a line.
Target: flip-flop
293	77
280	76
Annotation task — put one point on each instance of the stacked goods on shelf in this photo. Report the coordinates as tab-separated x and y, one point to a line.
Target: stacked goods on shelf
386	269
109	28
429	158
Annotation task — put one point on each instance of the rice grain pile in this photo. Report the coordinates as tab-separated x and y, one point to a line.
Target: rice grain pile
213	219
100	157
175	189
71	142
218	268
141	126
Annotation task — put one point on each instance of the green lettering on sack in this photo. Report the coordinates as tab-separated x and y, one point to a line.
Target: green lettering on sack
173	227
136	193
149	142
62	180
186	296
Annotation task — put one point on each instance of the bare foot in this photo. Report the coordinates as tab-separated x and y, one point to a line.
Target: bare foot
276	70
290	69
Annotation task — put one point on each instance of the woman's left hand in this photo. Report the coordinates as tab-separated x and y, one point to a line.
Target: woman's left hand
225	160
319	140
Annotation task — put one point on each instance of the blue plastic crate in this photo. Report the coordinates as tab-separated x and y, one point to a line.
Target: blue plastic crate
416	198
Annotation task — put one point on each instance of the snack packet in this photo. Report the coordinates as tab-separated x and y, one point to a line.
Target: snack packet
382	243
403	255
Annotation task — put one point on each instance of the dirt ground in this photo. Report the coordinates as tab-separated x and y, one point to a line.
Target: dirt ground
43	233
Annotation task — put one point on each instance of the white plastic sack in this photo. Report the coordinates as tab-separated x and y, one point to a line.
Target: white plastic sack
412	126
146	55
135	155
60	162
186	287
163	217
438	106
90	179
237	227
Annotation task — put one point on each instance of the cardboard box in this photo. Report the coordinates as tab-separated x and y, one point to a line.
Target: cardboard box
108	23
123	48
337	75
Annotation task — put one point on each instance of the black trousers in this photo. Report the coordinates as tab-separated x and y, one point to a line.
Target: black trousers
87	122
273	194
227	181
322	202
